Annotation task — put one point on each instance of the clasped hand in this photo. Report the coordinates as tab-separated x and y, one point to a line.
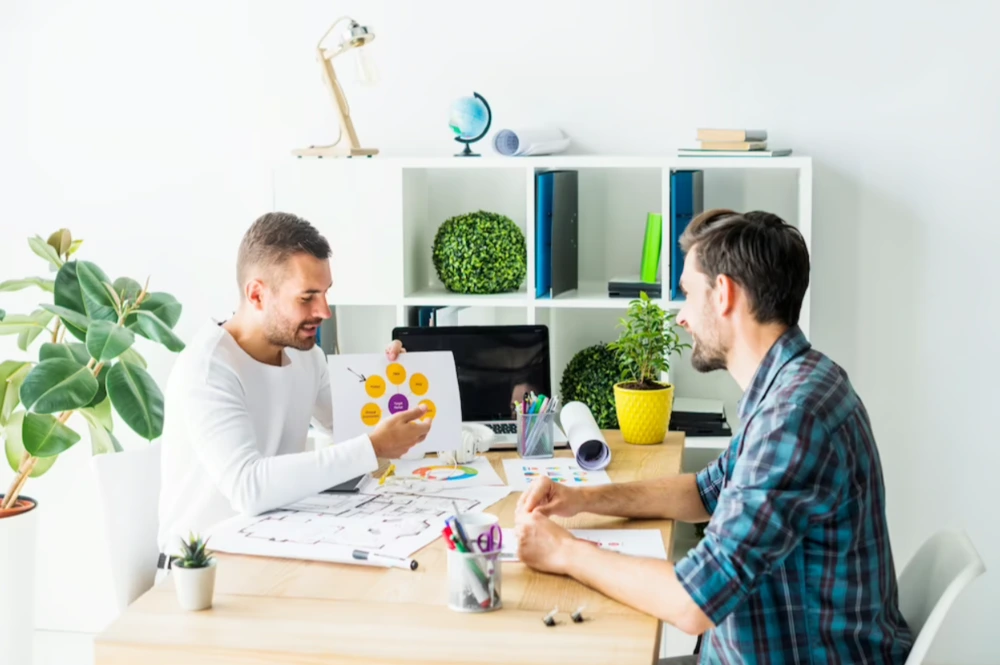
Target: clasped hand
543	544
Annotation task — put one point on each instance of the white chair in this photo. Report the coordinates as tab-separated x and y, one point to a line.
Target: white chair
930	583
129	486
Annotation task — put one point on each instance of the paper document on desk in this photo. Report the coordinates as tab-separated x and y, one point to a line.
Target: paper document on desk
521	472
437	475
633	542
328	527
367	389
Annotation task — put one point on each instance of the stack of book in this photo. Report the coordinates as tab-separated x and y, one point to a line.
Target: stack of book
732	143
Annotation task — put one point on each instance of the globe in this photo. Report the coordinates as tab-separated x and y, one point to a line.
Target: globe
470	119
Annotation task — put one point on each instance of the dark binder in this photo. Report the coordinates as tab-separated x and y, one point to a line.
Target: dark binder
556	233
687	200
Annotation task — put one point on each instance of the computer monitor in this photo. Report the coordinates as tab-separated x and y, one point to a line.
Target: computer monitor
496	365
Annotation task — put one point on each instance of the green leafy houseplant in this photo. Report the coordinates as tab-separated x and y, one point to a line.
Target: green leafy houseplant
590	378
648	338
480	252
193	553
86	363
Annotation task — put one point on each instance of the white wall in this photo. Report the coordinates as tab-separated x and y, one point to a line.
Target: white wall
148	128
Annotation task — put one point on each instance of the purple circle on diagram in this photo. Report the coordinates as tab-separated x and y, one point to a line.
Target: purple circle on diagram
398	403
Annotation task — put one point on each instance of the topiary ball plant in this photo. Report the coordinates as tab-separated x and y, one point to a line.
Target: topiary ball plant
590	377
480	252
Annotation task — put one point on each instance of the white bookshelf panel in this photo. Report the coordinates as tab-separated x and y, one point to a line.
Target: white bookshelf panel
364	328
355	204
433	195
571	330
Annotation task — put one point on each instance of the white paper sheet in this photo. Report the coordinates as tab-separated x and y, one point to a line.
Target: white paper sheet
633	542
527	141
328	527
585	438
367	389
439	475
521	472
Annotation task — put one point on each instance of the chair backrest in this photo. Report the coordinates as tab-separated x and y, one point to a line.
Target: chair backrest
129	486
930	583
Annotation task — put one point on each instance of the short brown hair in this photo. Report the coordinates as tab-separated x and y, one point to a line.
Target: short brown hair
273	238
759	251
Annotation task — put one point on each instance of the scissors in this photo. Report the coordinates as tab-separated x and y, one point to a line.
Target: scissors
493	539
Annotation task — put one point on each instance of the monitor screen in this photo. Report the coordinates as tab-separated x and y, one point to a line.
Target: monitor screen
496	365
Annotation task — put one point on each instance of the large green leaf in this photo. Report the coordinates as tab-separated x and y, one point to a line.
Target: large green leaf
106	341
44	436
137	399
96	299
163	305
15	324
45	250
127	288
69	296
101	440
19	284
26	337
12	373
72	319
152	327
134	357
71	350
14	447
57	385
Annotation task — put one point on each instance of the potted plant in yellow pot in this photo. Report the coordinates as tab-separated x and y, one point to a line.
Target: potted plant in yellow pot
643	402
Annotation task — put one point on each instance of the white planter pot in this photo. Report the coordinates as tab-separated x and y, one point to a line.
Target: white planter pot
195	586
17	586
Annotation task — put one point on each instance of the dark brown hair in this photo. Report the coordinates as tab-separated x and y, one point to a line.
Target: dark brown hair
759	251
273	238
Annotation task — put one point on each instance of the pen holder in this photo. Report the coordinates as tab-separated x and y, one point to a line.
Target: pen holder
535	438
474	581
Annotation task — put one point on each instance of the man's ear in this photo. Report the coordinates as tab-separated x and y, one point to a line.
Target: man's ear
725	294
255	294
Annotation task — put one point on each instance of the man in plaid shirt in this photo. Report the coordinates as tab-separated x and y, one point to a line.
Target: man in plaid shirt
796	564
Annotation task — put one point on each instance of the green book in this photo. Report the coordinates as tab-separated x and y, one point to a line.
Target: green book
651	247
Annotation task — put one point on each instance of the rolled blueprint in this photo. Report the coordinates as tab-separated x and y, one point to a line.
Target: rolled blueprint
584	436
530	141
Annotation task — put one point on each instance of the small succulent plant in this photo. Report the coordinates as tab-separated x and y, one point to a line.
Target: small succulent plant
194	554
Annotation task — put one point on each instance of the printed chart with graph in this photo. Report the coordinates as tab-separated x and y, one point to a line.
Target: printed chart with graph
394	523
520	473
367	389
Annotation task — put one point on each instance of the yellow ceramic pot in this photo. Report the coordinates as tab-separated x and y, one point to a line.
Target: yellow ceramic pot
643	415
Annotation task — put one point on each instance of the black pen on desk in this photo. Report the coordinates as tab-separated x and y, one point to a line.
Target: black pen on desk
385	559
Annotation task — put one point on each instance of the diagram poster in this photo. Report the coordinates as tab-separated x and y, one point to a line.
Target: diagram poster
367	389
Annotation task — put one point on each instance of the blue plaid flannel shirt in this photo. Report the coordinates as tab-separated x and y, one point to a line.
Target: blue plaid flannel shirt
795	565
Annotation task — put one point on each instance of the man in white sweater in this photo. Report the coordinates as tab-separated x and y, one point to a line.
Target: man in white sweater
241	395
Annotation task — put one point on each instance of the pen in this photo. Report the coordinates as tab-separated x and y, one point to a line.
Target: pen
385	559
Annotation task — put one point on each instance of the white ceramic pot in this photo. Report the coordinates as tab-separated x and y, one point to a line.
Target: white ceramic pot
17	585
195	586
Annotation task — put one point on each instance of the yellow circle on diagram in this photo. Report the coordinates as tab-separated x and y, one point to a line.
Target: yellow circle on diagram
375	386
418	384
371	413
396	374
431	409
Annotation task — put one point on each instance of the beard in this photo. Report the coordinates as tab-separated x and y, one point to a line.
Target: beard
707	357
284	332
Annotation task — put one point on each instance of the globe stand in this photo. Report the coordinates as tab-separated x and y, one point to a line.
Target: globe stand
489	119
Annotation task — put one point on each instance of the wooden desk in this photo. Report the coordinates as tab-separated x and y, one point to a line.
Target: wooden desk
300	612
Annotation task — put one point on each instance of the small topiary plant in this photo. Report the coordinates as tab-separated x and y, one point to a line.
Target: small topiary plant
480	252
590	377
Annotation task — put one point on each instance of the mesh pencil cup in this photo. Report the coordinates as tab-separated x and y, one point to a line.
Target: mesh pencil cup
535	435
474	581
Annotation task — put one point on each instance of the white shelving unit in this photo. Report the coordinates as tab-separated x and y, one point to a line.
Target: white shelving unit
381	215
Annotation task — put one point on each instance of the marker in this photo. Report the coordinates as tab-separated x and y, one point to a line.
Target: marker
384	559
388	472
